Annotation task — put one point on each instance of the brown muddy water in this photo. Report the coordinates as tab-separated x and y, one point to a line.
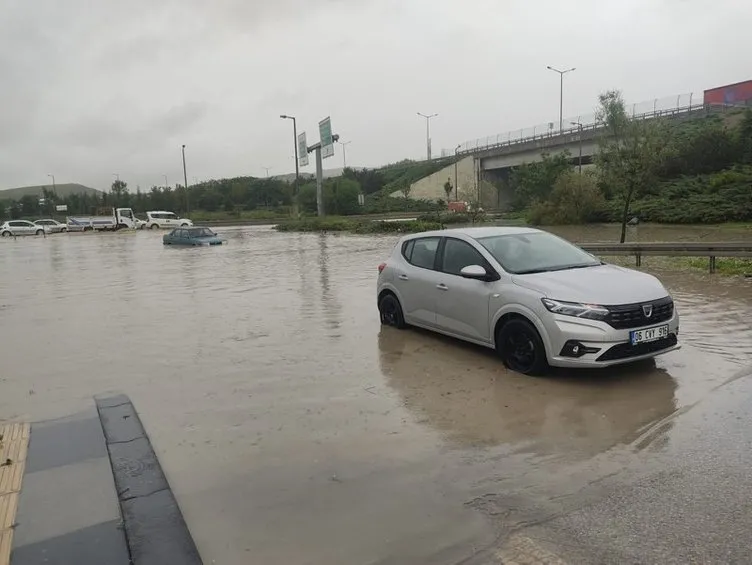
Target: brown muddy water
294	429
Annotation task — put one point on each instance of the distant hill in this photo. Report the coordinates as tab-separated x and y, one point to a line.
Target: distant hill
61	190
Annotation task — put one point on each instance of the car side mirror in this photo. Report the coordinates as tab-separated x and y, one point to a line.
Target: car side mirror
474	272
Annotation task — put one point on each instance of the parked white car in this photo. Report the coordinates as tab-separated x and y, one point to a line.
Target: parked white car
536	298
52	226
20	227
158	219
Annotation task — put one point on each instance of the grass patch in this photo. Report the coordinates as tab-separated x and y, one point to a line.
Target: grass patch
341	224
729	266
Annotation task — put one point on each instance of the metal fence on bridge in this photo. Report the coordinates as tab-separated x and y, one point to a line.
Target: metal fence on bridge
668	106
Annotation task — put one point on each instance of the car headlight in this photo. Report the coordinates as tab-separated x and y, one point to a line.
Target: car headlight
576	309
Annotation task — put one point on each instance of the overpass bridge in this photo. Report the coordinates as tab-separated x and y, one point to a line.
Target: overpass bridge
481	166
512	149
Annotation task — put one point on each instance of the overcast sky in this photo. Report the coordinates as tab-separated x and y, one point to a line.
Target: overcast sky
89	88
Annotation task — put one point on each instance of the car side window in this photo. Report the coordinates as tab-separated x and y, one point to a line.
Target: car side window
423	252
407	249
459	254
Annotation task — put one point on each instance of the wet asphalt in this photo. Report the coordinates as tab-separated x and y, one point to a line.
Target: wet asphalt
294	429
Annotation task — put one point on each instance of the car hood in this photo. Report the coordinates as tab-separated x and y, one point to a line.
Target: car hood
603	284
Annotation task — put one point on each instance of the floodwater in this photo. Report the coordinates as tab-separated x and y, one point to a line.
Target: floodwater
294	429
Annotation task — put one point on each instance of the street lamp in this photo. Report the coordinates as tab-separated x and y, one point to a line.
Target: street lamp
297	166
579	126
428	132
185	179
53	182
456	157
344	145
267	169
165	180
561	93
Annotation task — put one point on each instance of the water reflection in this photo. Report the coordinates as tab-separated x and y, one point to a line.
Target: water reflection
466	394
328	298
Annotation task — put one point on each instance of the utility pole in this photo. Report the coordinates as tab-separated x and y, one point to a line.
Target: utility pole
165	181
54	189
297	166
456	157
428	132
561	93
185	179
267	169
579	126
344	145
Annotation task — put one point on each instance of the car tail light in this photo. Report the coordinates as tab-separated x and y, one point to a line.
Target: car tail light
382	267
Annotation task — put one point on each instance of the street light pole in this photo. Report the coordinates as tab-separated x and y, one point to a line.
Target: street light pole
267	169
428	132
53	183
579	126
185	179
561	93
456	187
344	145
297	165
165	180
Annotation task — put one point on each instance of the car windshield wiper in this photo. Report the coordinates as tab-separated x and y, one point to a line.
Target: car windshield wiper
562	268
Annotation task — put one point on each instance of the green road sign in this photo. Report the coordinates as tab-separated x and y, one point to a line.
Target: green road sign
327	143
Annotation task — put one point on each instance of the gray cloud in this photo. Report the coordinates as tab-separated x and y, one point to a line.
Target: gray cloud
89	88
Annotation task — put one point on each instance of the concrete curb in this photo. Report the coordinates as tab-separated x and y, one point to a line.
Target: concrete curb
155	530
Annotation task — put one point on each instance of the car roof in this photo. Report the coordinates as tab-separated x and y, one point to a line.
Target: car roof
159	212
476	233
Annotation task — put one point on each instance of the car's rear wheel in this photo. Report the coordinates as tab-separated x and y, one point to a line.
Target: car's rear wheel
521	347
39	232
390	312
6	234
154	227
63	230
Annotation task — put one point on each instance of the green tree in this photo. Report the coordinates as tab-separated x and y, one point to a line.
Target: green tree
630	152
575	199
119	192
534	181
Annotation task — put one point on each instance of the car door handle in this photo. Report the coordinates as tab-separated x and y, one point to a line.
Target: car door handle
442	286
404	277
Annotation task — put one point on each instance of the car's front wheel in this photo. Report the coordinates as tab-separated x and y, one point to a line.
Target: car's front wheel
390	312
39	232
154	227
521	347
6	234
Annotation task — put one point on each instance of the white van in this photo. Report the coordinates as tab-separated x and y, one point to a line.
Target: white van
157	219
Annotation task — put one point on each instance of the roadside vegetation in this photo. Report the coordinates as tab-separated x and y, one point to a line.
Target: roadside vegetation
247	198
692	172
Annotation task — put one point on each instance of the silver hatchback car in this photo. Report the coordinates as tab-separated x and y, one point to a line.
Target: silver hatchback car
536	298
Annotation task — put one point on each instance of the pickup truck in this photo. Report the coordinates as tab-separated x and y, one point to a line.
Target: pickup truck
118	219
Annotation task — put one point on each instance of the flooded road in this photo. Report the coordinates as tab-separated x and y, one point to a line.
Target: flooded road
294	429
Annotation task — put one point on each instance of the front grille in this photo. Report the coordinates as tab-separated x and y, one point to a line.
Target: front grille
630	316
627	350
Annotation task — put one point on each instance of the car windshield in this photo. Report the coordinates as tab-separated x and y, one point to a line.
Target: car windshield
537	252
201	232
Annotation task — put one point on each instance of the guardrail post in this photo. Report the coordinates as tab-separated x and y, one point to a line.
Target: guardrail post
711	264
638	257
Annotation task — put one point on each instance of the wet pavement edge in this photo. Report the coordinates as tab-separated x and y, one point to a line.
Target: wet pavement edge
155	530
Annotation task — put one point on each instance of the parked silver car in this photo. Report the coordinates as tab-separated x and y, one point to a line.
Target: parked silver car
536	298
20	227
52	226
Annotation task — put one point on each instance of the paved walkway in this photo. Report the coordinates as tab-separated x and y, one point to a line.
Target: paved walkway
81	475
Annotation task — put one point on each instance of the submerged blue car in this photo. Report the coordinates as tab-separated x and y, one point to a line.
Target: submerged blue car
192	236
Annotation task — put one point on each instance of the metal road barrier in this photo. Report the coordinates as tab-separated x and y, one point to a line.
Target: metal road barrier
673	249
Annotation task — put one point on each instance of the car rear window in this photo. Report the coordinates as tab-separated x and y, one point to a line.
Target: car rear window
421	252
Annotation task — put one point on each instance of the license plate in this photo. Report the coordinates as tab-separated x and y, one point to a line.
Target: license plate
648	334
